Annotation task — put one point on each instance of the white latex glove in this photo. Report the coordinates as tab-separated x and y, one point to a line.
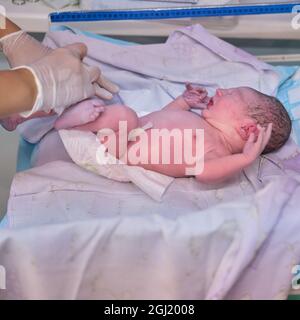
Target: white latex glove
20	49
62	79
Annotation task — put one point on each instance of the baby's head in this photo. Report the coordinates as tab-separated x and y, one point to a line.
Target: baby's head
243	109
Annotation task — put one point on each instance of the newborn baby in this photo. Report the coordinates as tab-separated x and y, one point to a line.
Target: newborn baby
238	124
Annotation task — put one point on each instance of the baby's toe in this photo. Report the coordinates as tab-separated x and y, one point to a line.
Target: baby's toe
99	109
94	115
98	102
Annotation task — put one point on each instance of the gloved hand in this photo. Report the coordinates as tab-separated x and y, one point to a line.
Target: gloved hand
62	80
20	48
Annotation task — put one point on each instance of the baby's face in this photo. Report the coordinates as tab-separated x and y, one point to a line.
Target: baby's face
228	105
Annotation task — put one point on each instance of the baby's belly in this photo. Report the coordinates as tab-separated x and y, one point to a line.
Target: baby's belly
165	151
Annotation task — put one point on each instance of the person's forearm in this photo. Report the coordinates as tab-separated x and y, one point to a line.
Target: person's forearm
220	169
18	91
10	27
179	103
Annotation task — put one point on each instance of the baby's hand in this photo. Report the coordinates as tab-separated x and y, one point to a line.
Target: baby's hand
252	148
196	97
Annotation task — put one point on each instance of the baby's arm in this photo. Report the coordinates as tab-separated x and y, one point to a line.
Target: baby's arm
220	169
178	104
193	97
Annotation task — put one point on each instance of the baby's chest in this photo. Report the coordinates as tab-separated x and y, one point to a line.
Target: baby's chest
176	120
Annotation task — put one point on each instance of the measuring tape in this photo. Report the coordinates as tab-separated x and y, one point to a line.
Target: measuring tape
167	13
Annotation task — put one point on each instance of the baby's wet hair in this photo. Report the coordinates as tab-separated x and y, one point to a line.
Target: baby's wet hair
267	109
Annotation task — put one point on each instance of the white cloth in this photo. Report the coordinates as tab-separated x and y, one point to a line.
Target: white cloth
80	235
150	76
83	236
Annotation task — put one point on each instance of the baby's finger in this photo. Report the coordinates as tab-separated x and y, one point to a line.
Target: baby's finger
260	137
201	105
270	128
251	138
201	90
206	99
268	134
188	86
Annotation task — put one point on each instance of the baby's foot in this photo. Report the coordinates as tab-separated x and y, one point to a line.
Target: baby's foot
11	123
82	113
196	97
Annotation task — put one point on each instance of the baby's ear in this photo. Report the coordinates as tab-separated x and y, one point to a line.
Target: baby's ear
246	127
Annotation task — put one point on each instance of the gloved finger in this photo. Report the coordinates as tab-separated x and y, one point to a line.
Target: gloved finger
108	85
94	73
78	49
102	93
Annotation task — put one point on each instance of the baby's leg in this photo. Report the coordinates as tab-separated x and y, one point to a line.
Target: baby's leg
82	113
110	118
10	123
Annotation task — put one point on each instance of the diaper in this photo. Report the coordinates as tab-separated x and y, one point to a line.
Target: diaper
87	152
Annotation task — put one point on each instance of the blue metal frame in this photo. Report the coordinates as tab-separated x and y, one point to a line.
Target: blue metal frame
167	13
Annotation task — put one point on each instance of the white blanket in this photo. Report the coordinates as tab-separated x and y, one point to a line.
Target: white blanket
78	235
